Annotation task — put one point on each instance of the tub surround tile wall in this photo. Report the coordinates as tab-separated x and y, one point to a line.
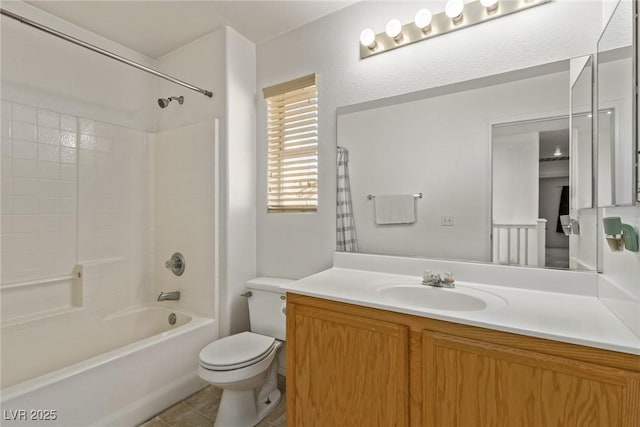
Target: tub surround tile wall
38	193
105	285
224	62
73	190
74	135
185	178
28	303
116	202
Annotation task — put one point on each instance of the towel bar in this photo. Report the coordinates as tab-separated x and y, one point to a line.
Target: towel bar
415	196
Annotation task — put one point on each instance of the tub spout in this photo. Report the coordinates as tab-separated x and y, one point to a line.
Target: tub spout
166	296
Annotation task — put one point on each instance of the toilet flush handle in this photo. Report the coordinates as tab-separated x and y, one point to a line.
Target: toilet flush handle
246	294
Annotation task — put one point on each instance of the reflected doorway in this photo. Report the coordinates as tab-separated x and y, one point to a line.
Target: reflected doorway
531	176
554	193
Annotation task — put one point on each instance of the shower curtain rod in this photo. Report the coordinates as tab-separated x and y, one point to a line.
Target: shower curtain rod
101	51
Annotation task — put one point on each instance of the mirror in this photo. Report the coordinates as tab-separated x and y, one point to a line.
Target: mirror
582	230
461	164
617	142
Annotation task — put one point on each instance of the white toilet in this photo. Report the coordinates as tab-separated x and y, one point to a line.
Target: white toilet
245	365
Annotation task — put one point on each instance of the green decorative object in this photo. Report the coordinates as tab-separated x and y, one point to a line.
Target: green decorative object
619	235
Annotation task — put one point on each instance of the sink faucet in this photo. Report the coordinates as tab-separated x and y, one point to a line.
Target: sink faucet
166	296
434	279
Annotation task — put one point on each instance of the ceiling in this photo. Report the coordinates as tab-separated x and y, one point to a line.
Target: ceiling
158	27
553	140
553	134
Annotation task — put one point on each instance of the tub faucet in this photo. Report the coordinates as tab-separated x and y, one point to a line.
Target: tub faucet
438	281
169	296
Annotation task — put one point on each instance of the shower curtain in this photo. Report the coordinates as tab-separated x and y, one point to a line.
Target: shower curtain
346	240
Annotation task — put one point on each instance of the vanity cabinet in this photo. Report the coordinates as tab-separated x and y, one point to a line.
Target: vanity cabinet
350	365
349	370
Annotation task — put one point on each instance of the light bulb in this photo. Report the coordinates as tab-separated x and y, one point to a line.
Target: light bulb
423	19
557	152
453	9
394	29
491	5
368	38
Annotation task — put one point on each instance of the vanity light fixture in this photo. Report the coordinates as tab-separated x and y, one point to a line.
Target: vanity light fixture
394	30
490	5
453	9
368	39
456	15
423	20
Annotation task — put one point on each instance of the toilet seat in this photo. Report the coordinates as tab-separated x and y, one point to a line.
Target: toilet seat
236	351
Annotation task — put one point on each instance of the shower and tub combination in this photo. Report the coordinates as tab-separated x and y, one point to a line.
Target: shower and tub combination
89	218
115	370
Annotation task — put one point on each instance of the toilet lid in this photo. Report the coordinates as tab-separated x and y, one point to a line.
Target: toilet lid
236	351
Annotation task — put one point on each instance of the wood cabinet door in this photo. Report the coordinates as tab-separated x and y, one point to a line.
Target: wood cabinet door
471	383
345	370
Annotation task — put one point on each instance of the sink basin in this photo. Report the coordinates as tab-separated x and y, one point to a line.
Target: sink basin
461	298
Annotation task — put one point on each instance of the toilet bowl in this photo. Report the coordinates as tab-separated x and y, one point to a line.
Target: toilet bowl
245	365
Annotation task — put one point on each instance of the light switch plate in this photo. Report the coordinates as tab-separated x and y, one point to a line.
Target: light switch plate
447	221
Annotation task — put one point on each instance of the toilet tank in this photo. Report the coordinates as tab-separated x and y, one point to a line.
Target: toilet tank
266	306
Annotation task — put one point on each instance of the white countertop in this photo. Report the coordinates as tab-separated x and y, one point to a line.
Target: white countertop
576	319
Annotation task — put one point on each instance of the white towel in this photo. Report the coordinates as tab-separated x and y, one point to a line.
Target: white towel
395	209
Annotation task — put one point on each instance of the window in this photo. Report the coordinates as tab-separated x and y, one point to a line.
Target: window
293	145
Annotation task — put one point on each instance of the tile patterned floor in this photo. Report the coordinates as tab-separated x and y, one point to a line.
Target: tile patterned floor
200	409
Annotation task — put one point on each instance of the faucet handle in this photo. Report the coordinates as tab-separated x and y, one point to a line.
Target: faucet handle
426	275
448	278
429	275
176	264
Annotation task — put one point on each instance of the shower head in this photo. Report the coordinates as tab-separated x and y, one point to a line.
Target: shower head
164	102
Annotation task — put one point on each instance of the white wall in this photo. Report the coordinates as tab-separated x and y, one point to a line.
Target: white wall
329	47
42	70
554	169
515	178
585	247
240	170
441	146
201	63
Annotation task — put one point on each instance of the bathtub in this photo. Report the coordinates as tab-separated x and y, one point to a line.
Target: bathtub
79	370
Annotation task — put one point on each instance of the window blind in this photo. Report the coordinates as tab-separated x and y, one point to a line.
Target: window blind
292	109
